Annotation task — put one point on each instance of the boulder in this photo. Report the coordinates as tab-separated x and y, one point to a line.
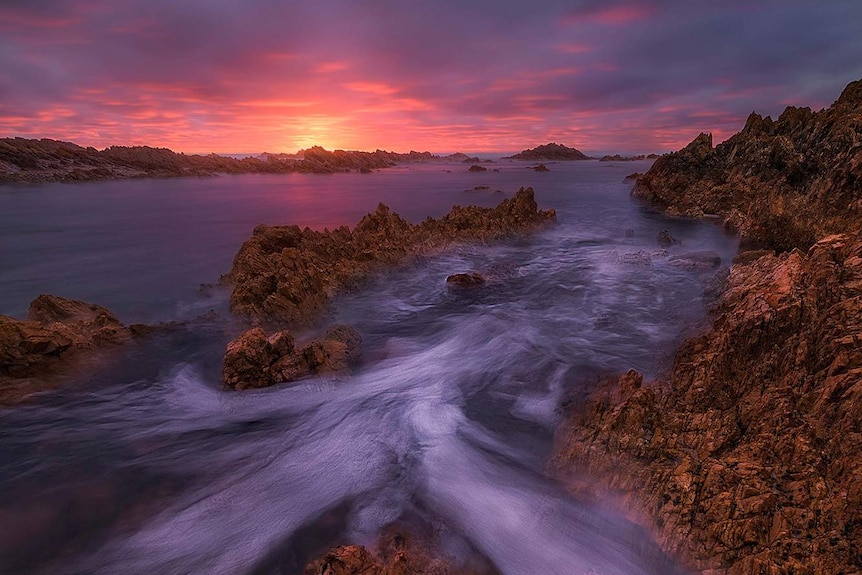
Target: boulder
477	168
541	168
465	280
255	360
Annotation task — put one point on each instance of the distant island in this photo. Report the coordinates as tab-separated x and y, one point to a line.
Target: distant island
45	160
619	158
552	151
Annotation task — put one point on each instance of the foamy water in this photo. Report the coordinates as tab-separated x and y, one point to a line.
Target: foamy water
151	468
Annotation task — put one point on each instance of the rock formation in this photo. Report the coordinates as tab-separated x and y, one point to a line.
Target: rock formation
395	554
554	152
57	335
541	168
25	160
782	184
747	458
750	457
286	276
477	168
256	360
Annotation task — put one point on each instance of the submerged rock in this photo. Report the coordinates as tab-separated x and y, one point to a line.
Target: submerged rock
287	276
749	459
665	239
467	280
255	360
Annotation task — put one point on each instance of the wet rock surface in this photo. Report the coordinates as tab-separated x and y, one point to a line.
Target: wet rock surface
286	276
465	280
748	458
57	333
395	554
255	360
782	183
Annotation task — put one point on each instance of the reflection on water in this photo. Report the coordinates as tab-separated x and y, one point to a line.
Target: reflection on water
154	469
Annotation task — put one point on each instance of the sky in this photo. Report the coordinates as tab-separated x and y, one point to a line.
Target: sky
440	75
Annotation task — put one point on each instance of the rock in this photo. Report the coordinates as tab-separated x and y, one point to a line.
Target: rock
255	360
57	337
395	554
541	168
749	459
477	168
346	560
364	170
633	177
467	280
781	184
285	276
696	260
554	152
665	239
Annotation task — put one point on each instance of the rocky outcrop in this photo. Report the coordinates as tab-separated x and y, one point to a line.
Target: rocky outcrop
782	184
541	168
286	275
25	160
748	460
552	152
395	554
477	168
255	360
57	335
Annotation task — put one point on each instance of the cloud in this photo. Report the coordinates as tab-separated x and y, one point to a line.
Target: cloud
628	76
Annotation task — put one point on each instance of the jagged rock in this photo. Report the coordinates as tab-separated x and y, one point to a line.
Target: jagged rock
287	276
665	239
255	360
477	168
395	554
467	280
781	184
541	168
749	459
634	177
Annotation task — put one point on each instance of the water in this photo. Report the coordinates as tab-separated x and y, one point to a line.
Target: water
148	467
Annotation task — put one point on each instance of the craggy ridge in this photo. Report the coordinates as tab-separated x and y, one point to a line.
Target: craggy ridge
747	458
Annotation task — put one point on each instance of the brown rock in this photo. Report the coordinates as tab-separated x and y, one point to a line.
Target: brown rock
782	184
286	276
541	168
477	168
467	280
59	334
253	360
747	460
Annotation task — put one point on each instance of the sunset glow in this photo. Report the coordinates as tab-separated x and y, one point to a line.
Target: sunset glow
630	76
